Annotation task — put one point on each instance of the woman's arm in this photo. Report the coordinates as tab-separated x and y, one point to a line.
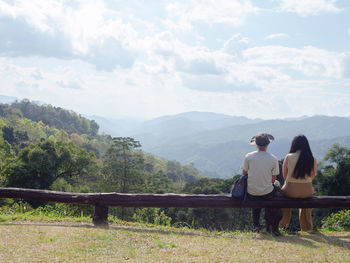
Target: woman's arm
285	168
314	170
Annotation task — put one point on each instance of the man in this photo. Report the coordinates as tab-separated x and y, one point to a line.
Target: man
262	169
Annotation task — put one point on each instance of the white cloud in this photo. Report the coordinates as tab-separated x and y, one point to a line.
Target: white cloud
153	93
69	85
89	32
235	45
309	7
37	75
311	61
152	67
278	35
211	12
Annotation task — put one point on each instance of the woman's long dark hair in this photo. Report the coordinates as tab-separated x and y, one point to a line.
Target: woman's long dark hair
305	163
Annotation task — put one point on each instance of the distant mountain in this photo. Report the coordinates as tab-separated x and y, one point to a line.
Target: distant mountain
115	127
170	129
216	143
7	99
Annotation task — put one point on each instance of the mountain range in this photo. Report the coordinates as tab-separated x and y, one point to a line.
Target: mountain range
216	143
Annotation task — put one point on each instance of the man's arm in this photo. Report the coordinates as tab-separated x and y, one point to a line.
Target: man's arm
274	178
245	166
275	171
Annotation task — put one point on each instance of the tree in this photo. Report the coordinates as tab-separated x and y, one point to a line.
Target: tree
17	139
159	183
39	165
123	164
5	153
334	179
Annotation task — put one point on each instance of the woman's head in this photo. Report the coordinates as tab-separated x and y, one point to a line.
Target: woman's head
300	143
305	163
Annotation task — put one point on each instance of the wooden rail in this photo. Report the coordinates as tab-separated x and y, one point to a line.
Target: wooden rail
102	201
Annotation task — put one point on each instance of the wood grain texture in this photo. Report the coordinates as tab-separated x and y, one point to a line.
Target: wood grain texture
170	200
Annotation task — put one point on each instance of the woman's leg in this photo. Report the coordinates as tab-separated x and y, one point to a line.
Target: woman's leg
305	219
286	215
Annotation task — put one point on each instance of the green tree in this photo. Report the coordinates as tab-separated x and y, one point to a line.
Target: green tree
17	139
5	153
39	165
158	183
123	164
334	179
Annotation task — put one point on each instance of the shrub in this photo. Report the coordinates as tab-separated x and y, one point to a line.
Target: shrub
339	221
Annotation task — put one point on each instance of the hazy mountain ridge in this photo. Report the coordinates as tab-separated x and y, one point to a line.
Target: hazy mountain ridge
7	99
216	143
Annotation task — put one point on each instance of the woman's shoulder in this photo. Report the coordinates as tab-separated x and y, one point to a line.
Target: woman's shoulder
297	153
293	156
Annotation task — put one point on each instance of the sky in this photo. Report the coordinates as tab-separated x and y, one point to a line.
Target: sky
144	59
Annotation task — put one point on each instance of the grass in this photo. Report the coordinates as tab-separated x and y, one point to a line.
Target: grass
41	240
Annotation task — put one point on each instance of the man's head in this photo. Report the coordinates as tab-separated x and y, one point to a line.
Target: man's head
262	140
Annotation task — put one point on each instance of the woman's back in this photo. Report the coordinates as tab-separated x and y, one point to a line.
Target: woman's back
292	161
296	187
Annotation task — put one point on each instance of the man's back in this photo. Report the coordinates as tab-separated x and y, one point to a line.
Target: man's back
261	166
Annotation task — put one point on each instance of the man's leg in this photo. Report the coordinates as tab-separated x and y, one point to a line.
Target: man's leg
255	213
268	219
277	216
256	219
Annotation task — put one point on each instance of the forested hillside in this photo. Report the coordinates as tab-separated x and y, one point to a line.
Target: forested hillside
48	147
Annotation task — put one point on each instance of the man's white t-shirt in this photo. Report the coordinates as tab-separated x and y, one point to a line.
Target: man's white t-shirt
260	166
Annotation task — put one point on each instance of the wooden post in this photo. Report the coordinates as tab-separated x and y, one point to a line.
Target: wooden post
100	217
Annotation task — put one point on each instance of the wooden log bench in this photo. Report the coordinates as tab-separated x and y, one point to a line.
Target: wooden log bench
102	201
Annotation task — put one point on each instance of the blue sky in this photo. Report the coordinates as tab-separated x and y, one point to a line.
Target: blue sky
143	59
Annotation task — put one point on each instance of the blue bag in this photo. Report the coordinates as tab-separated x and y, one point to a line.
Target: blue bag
239	188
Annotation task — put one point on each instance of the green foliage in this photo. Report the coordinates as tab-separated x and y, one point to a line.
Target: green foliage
158	183
339	221
24	211
154	216
177	173
39	165
334	179
182	174
5	152
219	219
209	186
56	117
17	139
123	163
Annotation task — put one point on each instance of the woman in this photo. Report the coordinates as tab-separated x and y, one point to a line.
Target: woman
299	169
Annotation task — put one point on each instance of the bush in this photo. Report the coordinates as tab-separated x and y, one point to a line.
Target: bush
339	221
152	215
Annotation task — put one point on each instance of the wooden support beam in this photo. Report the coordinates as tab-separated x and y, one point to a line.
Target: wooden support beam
100	217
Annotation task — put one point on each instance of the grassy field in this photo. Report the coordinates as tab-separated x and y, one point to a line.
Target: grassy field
45	241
